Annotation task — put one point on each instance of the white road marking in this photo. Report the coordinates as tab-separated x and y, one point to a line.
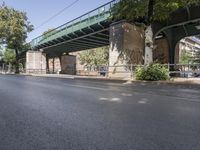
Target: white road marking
143	101
115	99
126	94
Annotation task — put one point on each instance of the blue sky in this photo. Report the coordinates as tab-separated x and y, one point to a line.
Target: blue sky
39	11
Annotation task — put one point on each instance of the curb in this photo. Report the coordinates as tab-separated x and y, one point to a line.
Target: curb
185	83
101	79
174	83
48	76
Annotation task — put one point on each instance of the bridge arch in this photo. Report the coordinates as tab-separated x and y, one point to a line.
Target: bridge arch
182	23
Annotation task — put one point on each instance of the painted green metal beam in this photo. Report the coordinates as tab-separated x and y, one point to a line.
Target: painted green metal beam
104	34
99	38
95	20
95	41
75	39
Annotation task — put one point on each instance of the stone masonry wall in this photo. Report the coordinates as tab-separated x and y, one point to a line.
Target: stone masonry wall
126	47
161	52
35	62
68	64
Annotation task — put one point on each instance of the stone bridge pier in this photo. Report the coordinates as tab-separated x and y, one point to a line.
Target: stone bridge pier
37	62
126	48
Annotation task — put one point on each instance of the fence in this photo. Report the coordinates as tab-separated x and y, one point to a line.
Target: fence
184	70
6	69
176	70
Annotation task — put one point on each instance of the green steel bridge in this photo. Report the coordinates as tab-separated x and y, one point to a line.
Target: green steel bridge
91	30
88	31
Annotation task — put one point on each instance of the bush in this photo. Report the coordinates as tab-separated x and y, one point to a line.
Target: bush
153	72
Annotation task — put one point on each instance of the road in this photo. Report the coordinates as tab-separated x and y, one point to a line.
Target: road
64	114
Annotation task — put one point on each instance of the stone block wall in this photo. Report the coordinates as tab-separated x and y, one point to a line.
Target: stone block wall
126	47
54	65
35	62
68	64
161	51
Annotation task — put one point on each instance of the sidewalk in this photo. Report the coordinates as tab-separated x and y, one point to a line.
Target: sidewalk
186	80
175	81
65	76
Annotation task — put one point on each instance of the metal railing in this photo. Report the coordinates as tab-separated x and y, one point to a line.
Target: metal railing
6	69
184	70
175	70
72	25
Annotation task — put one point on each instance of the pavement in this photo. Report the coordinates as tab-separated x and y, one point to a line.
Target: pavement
39	113
178	81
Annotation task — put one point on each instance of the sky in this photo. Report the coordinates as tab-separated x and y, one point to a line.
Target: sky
38	11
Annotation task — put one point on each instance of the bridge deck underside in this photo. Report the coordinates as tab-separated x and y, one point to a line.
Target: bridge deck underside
86	34
78	41
90	30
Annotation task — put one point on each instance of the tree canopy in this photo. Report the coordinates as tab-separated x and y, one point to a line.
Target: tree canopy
9	56
14	26
47	33
95	57
184	57
146	11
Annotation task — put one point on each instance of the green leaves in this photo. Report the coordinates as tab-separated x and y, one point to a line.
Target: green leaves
14	26
131	10
95	57
9	56
139	10
152	72
184	58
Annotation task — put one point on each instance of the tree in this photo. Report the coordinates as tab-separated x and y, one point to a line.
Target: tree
9	56
145	12
14	26
47	33
185	57
197	57
95	57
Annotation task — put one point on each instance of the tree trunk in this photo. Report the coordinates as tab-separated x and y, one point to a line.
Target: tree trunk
17	62
148	53
151	9
47	62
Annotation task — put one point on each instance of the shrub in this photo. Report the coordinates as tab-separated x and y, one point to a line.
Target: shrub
152	72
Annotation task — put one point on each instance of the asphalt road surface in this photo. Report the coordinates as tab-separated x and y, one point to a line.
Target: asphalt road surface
66	114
